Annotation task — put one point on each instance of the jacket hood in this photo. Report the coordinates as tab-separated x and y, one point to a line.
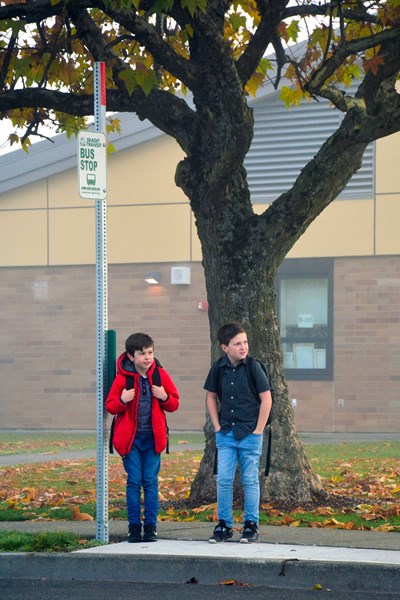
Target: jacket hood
126	367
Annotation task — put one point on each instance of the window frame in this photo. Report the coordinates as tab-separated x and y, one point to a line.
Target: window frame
321	268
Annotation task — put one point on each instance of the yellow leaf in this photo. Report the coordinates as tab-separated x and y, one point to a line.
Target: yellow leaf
295	524
364	507
317	586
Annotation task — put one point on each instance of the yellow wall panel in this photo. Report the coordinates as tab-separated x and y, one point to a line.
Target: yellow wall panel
145	174
196	246
72	236
387	224
143	234
345	228
23	238
29	196
64	191
387	165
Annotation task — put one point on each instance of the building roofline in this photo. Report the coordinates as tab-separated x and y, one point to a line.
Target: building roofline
58	154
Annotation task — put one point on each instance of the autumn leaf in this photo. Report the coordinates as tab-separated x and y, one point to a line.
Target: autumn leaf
323	511
78	516
234	582
373	64
295	523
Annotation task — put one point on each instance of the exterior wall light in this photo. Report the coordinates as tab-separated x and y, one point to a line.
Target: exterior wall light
153	277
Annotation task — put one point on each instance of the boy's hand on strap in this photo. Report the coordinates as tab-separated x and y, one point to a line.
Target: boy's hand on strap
127	396
159	392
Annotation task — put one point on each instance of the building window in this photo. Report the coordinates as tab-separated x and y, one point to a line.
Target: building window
305	316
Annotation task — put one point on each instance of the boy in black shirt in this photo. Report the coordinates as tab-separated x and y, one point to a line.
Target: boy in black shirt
239	428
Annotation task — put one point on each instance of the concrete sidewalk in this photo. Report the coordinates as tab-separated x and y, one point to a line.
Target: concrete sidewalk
285	558
201	531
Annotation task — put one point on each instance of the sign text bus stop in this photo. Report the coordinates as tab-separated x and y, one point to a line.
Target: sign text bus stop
92	165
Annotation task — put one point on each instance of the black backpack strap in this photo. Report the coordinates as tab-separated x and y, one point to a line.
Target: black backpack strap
157	381
269	451
251	363
110	441
156	376
129	382
220	371
251	375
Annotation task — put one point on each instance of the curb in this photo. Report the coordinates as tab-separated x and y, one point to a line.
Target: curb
292	573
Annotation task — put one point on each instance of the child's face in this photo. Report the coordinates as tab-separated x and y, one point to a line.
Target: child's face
143	359
237	349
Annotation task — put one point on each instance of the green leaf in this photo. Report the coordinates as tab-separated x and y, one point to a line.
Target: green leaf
291	96
194	5
129	78
237	21
26	144
147	80
110	149
293	30
264	65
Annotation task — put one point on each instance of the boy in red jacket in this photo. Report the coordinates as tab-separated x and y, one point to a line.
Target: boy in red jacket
140	432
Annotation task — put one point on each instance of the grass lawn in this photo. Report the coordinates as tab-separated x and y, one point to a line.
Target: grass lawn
366	475
53	443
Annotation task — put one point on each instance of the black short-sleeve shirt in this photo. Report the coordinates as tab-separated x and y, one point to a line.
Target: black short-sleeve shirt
239	407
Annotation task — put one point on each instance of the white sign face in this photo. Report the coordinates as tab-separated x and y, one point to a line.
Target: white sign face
305	321
92	165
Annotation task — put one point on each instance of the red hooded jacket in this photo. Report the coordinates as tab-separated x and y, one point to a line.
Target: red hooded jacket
126	421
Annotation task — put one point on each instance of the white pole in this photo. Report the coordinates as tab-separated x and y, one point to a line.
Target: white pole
102	532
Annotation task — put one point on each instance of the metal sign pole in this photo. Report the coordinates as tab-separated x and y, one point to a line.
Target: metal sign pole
102	532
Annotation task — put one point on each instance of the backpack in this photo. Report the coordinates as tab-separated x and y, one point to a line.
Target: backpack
129	386
251	376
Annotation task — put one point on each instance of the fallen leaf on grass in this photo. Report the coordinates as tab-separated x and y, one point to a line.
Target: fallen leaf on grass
324	511
78	516
205	507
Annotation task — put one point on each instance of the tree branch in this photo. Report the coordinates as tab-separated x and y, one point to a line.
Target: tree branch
167	112
359	14
264	35
315	85
148	37
376	115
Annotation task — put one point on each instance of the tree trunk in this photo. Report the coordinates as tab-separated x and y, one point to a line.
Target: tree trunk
240	287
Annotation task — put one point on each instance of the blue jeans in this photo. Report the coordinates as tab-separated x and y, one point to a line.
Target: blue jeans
247	452
142	466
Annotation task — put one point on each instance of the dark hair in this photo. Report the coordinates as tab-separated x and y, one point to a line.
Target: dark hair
229	331
138	341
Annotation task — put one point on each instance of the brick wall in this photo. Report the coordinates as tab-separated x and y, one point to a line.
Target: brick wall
48	341
48	345
366	347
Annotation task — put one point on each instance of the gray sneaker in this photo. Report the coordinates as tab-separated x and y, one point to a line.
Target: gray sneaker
221	533
249	533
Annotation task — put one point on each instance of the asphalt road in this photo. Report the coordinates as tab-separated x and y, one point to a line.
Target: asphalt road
120	590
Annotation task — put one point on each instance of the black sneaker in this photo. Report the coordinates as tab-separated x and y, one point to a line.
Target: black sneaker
150	533
249	533
135	534
221	533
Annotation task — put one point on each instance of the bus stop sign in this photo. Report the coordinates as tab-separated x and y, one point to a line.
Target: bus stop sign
92	165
